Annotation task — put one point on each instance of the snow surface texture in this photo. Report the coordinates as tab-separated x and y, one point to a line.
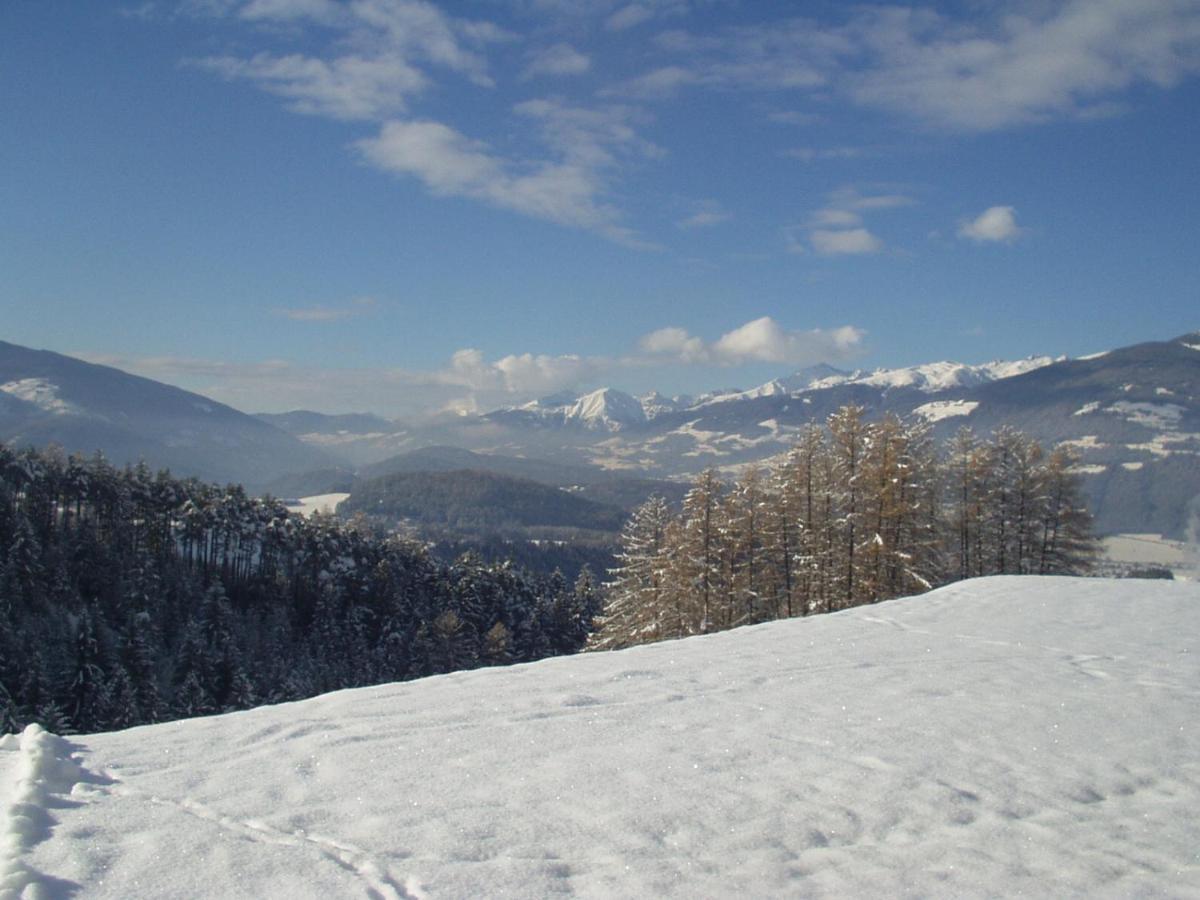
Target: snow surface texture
1005	736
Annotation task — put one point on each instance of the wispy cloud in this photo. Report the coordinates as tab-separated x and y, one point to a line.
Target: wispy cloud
357	307
996	224
558	59
1024	65
567	190
383	56
707	214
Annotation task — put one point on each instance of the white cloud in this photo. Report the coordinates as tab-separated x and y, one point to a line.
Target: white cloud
676	343
374	69
656	84
1026	63
1023	68
706	218
763	340
566	191
349	87
837	229
832	217
757	341
628	16
707	214
559	59
850	241
996	223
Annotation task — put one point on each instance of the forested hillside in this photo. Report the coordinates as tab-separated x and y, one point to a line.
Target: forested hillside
128	597
474	501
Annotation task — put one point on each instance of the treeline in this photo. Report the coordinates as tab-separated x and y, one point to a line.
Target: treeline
128	597
856	513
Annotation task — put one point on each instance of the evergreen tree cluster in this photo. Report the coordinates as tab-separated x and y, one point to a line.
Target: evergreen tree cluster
128	597
857	512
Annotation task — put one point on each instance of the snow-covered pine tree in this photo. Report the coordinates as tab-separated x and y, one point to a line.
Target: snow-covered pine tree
636	595
696	572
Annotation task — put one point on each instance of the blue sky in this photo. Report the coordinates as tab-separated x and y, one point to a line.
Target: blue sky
408	207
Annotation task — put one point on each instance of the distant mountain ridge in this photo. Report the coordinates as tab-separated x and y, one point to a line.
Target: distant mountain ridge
48	398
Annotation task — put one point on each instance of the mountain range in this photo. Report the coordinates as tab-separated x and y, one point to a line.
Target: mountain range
47	398
1132	413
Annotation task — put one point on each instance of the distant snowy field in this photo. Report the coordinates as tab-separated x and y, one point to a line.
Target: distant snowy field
1181	558
318	503
1032	736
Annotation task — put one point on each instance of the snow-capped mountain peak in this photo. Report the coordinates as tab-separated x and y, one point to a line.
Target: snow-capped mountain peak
605	408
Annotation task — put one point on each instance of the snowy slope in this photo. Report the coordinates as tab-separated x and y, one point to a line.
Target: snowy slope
1004	736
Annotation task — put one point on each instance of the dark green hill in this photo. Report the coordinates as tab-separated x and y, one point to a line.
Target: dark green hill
588	482
472	501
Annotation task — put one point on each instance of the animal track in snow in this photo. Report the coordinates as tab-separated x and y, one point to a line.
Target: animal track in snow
379	883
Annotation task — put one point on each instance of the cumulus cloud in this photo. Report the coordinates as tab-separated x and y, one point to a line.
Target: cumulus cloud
760	340
994	224
674	343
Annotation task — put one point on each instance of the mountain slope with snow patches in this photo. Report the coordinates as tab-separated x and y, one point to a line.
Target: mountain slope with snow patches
998	737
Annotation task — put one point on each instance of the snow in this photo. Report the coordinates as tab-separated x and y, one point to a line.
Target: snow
41	393
1150	415
605	408
1150	548
1100	355
1001	737
318	503
1087	408
1132	466
1089	469
938	376
1191	346
945	409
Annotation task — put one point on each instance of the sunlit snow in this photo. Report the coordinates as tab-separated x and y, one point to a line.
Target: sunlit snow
1001	737
41	393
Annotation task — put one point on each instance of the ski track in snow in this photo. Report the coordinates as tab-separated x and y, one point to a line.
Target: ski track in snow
1000	737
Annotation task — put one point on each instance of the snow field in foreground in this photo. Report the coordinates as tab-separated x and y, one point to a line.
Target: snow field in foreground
1002	736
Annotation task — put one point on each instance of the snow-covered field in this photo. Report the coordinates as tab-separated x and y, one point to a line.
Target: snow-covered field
318	503
1153	549
1007	736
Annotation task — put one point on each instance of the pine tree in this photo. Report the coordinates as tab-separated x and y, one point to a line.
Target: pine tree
636	595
